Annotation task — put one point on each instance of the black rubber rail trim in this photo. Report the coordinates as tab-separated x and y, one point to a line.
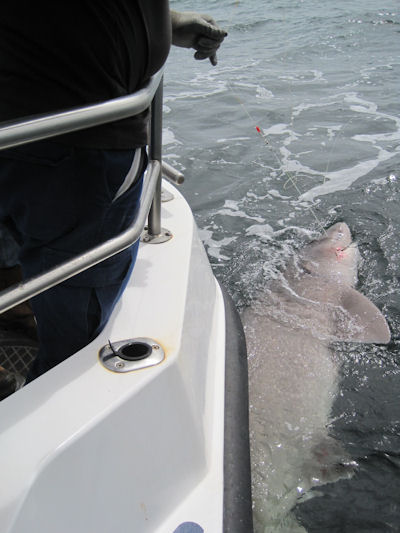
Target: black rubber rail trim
237	474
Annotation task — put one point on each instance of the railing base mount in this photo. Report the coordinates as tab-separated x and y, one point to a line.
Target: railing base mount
148	238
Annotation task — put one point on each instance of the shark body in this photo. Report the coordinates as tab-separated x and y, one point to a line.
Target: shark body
293	373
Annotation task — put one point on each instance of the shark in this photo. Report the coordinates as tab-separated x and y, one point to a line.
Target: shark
291	331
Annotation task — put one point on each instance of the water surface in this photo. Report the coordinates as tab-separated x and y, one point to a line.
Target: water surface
320	80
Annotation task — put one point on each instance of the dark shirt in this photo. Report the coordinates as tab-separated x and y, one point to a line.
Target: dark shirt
62	54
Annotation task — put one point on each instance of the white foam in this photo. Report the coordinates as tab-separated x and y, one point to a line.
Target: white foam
263	93
213	246
238	213
265	230
297	110
197	89
258	230
277	194
277	129
168	137
231	139
340	180
343	178
304	76
232	204
379	181
332	130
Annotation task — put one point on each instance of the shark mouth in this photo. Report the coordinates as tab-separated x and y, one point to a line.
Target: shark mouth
340	250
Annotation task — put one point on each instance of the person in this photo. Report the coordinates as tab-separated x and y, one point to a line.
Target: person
65	195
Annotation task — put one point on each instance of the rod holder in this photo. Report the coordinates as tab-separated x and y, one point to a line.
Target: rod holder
172	174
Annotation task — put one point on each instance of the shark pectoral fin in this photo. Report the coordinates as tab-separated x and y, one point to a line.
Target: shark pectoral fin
361	321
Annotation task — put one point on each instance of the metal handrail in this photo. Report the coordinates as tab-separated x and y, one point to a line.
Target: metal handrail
56	124
50	125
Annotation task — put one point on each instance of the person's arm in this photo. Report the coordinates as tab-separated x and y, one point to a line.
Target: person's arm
192	30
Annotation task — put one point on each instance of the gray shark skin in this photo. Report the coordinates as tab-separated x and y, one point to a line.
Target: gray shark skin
293	373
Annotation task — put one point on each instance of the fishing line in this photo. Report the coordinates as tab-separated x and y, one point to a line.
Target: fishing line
337	137
263	136
290	178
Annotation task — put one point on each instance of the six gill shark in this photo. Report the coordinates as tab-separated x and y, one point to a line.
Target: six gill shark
293	375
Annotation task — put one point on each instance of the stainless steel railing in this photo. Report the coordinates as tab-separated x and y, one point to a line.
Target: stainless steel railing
50	125
58	123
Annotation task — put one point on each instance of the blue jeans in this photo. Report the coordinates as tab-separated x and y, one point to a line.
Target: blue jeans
9	249
58	201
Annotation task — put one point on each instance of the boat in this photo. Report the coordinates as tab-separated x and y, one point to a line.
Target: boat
146	428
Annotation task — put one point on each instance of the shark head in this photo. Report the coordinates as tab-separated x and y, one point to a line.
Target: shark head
334	256
331	261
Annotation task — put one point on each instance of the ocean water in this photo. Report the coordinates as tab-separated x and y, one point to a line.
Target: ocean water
321	81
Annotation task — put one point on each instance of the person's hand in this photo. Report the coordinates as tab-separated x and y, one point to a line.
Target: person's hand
192	30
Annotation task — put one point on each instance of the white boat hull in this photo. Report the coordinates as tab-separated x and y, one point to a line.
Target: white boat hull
84	449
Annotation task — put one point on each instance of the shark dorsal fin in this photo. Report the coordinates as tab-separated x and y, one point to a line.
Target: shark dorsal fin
361	321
